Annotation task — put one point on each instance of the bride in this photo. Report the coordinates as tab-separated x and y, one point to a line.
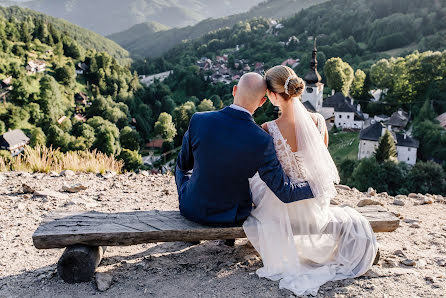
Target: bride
306	243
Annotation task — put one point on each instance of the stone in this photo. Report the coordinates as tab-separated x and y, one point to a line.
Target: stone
428	201
67	173
368	202
444	228
409	263
54	174
421	263
251	260
398	202
49	194
74	188
400	197
343	187
389	263
415	225
399	253
103	281
27	189
429	279
371	192
334	202
108	174
27	196
413	196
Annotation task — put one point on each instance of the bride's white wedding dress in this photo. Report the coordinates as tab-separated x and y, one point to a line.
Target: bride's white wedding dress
307	243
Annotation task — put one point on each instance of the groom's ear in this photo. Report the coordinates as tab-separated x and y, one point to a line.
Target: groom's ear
234	90
264	99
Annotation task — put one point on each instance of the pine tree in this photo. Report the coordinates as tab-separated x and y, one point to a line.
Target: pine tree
386	149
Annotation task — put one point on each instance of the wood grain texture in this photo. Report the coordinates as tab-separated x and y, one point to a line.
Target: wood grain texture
131	228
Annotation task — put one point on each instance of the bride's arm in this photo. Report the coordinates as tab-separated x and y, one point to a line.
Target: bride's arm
319	121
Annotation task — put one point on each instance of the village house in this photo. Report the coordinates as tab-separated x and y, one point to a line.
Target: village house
5	87
155	144
36	66
293	63
81	98
14	141
149	80
399	120
442	120
406	146
346	113
81	68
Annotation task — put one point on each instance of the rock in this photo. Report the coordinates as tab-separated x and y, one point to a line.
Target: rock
415	225
398	202
421	263
400	197
54	174
371	192
444	228
389	263
409	263
334	202
343	187
428	201
429	279
74	188
108	174
399	253
251	260
413	196
368	202
67	173
27	196
145	173
27	189
49	193
103	281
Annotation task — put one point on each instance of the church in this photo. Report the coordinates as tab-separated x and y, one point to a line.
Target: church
312	97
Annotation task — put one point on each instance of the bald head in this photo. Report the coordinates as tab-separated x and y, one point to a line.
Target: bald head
250	91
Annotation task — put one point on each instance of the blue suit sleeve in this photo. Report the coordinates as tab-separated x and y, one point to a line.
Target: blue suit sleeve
271	172
185	161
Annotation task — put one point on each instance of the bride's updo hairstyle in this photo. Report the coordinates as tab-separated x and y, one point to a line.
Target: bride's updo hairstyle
284	81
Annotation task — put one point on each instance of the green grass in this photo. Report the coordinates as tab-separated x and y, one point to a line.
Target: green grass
344	145
398	51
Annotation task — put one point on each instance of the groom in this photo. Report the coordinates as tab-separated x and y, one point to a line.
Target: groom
221	151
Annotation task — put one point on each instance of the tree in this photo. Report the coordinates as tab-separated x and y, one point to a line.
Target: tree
2	127
358	84
65	74
339	75
386	149
37	138
129	139
51	98
427	177
132	159
206	105
181	117
165	127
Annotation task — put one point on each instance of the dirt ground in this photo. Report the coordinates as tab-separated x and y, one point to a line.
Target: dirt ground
412	264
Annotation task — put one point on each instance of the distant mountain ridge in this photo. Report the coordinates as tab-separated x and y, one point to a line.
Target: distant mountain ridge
153	43
110	16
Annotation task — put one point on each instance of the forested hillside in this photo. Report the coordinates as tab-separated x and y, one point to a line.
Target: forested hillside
63	95
148	40
359	31
110	16
84	37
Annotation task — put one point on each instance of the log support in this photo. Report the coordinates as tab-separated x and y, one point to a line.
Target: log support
78	263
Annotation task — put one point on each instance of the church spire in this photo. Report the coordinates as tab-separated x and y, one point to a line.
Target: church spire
313	77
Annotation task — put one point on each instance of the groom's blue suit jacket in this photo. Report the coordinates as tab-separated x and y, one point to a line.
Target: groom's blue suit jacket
220	152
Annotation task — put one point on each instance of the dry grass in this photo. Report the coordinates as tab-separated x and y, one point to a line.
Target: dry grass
44	160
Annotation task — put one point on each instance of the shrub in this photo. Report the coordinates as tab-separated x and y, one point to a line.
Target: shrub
132	159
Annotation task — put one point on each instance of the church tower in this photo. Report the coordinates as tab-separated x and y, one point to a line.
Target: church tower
314	88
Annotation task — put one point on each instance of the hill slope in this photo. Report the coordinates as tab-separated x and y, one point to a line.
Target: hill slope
110	16
84	37
150	43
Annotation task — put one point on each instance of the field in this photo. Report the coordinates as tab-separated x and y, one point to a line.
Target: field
344	145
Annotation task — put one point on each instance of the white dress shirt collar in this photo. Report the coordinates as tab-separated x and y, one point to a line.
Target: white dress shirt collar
239	108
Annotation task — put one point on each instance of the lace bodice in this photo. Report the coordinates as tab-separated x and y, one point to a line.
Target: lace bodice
291	161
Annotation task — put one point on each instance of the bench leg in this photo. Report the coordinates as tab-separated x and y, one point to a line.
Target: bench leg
78	263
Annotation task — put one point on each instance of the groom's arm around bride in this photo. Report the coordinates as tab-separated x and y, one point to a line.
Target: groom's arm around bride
221	150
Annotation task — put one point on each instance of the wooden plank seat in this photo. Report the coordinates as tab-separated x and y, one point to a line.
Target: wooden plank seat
85	234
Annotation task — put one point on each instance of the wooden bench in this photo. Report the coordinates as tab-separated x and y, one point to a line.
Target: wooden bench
85	235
